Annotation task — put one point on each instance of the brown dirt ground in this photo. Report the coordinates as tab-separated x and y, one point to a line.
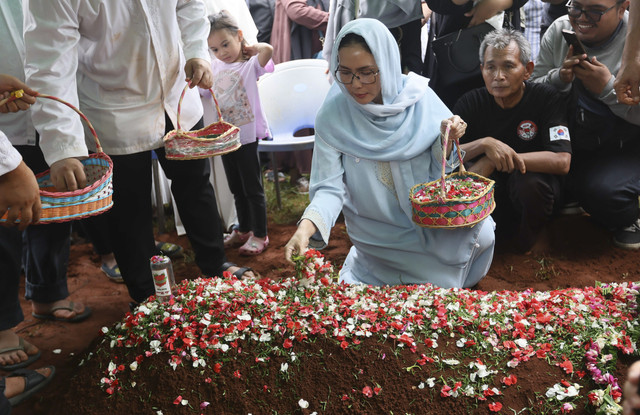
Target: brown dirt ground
573	252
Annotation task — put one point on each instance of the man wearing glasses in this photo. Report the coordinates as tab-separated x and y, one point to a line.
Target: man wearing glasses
605	168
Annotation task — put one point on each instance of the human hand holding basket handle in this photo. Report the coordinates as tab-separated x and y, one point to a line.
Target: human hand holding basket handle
460	199
454	128
82	186
15	95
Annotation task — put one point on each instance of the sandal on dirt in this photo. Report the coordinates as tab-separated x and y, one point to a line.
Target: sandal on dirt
75	319
169	249
31	357
236	238
113	273
33	382
239	273
254	246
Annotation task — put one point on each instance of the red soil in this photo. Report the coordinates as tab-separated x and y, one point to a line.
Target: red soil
573	252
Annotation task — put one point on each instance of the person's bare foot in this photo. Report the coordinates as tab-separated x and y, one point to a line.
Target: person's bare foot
8	340
15	385
59	310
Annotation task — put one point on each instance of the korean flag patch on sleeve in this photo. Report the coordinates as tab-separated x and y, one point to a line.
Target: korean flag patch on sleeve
559	132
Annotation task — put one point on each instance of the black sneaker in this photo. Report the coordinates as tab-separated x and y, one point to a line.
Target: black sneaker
629	237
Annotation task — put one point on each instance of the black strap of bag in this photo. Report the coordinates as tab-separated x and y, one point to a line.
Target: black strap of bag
457	54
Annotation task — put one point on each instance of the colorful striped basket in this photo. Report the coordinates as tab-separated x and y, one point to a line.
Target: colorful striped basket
91	200
214	140
450	213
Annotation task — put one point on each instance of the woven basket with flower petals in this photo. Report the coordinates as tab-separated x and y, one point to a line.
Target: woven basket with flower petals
214	140
460	199
93	199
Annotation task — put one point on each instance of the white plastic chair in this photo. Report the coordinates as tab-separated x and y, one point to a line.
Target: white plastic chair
291	97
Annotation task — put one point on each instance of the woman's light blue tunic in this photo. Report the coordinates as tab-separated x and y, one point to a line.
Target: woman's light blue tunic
367	158
388	248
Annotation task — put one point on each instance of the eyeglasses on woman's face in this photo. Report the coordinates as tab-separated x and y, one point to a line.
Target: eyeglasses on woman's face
593	15
367	76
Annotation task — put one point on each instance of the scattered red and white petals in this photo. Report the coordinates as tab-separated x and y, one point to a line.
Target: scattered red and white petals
495	406
303	404
210	318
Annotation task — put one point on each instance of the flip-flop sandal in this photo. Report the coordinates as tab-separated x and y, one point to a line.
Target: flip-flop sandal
113	273
236	238
33	382
169	249
31	357
239	273
254	246
76	319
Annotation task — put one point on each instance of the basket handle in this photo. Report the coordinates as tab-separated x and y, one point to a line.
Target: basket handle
93	131
215	101
445	142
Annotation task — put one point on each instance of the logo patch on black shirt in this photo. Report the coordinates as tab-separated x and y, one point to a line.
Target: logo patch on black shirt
527	130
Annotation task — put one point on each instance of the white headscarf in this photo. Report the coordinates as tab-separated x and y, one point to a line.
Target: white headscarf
405	125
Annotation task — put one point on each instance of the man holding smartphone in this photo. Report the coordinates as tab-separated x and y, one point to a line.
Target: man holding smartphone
605	168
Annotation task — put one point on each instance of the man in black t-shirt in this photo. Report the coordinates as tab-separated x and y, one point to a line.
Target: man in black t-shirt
516	135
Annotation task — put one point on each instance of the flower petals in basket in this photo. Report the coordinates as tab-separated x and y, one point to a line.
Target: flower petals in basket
214	140
93	199
460	199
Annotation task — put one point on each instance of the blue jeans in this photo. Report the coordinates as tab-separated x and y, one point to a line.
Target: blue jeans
46	247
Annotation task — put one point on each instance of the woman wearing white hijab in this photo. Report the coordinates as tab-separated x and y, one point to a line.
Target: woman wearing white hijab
378	134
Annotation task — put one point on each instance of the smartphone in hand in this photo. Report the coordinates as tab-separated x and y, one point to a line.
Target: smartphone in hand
572	39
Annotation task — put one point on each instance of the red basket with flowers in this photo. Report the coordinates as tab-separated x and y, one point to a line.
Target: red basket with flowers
460	199
214	140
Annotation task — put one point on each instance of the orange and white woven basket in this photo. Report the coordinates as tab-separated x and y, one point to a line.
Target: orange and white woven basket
214	140
93	199
456	212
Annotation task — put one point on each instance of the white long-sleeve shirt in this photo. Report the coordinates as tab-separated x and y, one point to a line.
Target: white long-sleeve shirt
9	156
16	125
122	61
